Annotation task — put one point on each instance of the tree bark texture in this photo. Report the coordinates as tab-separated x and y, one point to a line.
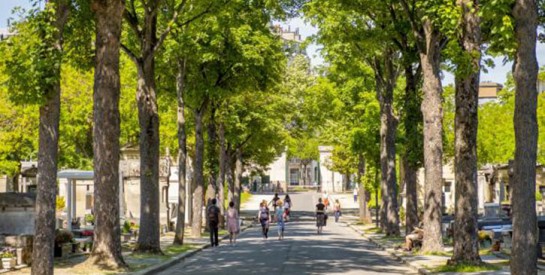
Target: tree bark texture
386	77
432	111
198	173
229	169
182	154
44	235
466	246
238	178
148	239
212	187
365	215
412	156
525	69
14	180
106	131
411	184
221	173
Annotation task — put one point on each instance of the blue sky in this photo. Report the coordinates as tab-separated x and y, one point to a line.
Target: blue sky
497	74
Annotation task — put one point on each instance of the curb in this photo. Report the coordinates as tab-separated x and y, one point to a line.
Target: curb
418	269
174	260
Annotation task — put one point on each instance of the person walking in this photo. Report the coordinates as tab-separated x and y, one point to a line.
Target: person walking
320	215
213	220
273	202
264	218
355	194
326	200
337	209
233	225
280	215
287	206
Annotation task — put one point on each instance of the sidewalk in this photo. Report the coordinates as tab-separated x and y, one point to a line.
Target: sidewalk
424	264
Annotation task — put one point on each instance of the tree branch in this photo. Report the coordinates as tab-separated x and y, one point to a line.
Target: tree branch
188	21
414	25
130	53
131	18
172	21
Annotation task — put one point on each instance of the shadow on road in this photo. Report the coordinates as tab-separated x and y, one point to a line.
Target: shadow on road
301	252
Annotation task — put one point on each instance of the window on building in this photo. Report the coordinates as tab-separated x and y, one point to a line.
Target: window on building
447	186
294	176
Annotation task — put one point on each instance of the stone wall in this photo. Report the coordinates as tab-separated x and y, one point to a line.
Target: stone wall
17	221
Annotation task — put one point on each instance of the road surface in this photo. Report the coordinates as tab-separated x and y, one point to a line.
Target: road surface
339	250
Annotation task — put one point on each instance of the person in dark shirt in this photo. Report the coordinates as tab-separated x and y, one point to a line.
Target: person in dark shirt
274	200
320	215
213	221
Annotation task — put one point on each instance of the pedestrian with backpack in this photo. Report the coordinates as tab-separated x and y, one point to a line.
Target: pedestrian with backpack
212	212
264	218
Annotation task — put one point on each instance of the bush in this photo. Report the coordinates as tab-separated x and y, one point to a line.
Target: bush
7	252
539	196
126	228
60	203
484	236
89	218
63	236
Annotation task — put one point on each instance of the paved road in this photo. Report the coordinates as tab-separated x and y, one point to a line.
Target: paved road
338	250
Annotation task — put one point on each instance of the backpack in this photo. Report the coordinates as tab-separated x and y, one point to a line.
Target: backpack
213	213
264	214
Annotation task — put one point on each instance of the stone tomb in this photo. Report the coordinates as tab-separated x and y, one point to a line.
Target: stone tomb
17	216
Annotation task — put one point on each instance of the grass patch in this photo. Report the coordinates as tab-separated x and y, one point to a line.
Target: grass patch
393	238
462	267
244	197
139	261
374	230
173	250
221	232
437	253
297	189
485	251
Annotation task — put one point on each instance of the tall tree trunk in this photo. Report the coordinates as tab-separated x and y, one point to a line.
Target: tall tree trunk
238	177
107	243
14	181
221	173
412	157
411	213
148	118
304	172
432	111
466	247
365	215
182	154
44	235
525	69
212	187
386	77
198	172
229	169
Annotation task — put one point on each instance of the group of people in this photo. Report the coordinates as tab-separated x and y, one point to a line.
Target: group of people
281	210
280	215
